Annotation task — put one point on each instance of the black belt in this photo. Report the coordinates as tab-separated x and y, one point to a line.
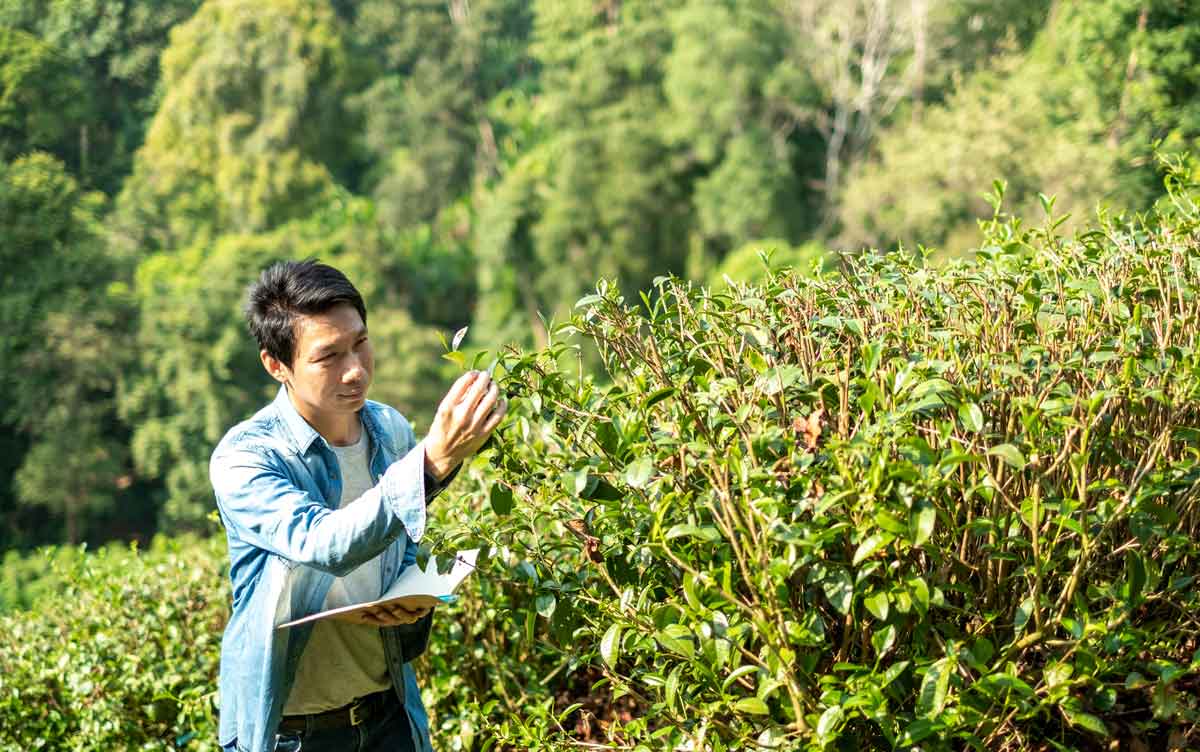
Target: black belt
354	714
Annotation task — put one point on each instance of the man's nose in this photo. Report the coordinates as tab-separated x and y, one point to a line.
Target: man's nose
356	372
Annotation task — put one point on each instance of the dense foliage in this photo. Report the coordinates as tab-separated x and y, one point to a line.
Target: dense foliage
459	156
947	497
122	655
899	505
880	507
885	506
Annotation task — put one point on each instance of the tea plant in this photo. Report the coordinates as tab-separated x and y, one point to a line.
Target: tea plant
894	506
888	507
124	654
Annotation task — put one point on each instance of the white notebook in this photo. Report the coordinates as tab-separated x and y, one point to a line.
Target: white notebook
415	588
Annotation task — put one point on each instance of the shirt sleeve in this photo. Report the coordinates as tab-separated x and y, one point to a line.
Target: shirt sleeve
433	486
265	508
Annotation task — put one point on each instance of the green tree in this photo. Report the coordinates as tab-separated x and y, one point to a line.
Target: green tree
1075	116
735	109
430	132
195	375
93	108
40	95
930	177
668	134
597	196
1142	60
251	132
58	348
425	113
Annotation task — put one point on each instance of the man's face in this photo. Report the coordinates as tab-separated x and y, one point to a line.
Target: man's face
333	362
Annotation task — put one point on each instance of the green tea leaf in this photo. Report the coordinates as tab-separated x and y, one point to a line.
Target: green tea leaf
578	481
1135	577
458	338
658	396
1010	454
839	589
869	546
971	416
706	533
610	645
501	498
920	592
916	731
671	690
923	521
877	604
883	639
1085	721
931	699
638	473
893	672
678	639
752	706
777	379
1021	616
737	672
829	722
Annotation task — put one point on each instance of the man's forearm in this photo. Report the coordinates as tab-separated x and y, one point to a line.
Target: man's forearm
437	466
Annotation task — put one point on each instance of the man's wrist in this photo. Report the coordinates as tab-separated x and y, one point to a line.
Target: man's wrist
438	466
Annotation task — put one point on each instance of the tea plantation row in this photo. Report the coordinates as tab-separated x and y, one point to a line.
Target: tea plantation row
892	507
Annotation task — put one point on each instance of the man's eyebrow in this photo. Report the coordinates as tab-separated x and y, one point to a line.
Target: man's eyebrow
323	350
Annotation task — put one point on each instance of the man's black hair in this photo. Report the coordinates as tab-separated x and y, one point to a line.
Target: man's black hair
288	289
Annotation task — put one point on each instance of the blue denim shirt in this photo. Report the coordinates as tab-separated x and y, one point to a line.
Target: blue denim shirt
278	492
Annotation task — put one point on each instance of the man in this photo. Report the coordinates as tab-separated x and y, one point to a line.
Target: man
323	495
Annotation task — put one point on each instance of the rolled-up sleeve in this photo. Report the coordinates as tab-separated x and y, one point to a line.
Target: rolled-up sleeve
265	508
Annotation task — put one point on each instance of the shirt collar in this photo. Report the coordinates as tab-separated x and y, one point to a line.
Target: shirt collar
304	434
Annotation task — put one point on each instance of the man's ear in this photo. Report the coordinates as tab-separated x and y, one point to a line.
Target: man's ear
274	366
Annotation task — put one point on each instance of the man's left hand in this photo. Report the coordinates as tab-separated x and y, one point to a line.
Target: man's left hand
390	615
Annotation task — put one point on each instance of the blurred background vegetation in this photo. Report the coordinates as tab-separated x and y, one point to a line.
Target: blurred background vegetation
483	163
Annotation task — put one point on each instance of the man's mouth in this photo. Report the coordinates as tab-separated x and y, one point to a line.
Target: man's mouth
354	394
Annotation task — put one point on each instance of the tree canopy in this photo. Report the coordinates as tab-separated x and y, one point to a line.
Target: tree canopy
481	164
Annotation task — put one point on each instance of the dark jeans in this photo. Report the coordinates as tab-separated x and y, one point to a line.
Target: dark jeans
385	731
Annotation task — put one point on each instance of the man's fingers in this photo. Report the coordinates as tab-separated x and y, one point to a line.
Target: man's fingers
475	393
497	416
385	615
460	387
372	617
405	612
485	405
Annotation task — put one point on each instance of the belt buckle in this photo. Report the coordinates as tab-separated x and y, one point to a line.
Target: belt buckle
357	714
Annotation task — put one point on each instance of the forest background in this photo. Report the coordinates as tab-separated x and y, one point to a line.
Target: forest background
885	557
482	164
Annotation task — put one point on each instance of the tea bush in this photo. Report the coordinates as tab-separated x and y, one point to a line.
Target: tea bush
889	508
122	656
25	578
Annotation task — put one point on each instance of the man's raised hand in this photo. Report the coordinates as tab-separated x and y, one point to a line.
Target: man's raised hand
467	415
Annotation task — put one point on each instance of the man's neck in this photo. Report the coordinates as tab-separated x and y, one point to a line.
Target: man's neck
339	429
